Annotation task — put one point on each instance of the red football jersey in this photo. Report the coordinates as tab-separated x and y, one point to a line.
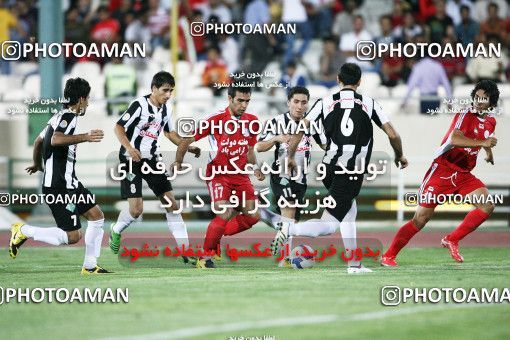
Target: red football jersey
472	126
229	137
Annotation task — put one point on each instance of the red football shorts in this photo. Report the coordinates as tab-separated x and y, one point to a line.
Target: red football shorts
221	188
441	180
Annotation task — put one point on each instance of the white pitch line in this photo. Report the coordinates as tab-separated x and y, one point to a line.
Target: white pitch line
302	320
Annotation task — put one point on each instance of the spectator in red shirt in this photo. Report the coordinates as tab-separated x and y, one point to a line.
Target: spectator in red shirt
453	66
494	24
391	69
106	29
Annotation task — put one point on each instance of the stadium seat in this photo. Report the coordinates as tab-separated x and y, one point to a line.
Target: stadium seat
379	92
183	77
85	69
317	91
258	104
312	56
144	76
97	86
24	68
16	96
200	94
8	83
273	69
96	82
161	56
462	91
371	79
195	77
32	86
504	91
441	92
97	108
399	92
390	106
197	104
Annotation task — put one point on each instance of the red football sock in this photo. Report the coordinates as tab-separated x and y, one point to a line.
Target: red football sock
214	233
238	224
469	224
404	234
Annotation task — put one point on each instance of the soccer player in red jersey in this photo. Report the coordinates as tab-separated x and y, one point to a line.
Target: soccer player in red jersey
232	140
450	173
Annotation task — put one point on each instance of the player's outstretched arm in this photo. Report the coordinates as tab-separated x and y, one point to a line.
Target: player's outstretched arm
174	137
181	151
490	157
36	157
396	143
120	132
266	145
459	140
61	139
252	159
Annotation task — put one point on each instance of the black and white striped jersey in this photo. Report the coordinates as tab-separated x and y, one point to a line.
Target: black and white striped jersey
303	150
347	119
143	123
59	161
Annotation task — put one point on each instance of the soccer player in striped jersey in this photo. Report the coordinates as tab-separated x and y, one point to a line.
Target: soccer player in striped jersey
56	145
450	173
347	118
138	130
281	184
238	141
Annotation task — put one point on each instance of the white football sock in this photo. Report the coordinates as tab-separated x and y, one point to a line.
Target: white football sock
326	225
177	228
348	231
54	236
93	241
123	221
274	218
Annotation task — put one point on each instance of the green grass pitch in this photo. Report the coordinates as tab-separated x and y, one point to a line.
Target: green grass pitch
256	300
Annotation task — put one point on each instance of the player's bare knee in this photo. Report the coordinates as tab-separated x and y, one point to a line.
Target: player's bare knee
488	208
73	236
100	215
420	220
225	216
135	212
255	215
95	214
172	207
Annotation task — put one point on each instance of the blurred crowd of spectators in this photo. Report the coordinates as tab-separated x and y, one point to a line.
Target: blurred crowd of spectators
338	24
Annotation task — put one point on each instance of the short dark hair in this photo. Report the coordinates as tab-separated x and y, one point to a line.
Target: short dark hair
493	4
102	8
233	89
490	88
349	74
291	63
161	78
298	90
385	17
329	38
465	8
214	48
75	89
